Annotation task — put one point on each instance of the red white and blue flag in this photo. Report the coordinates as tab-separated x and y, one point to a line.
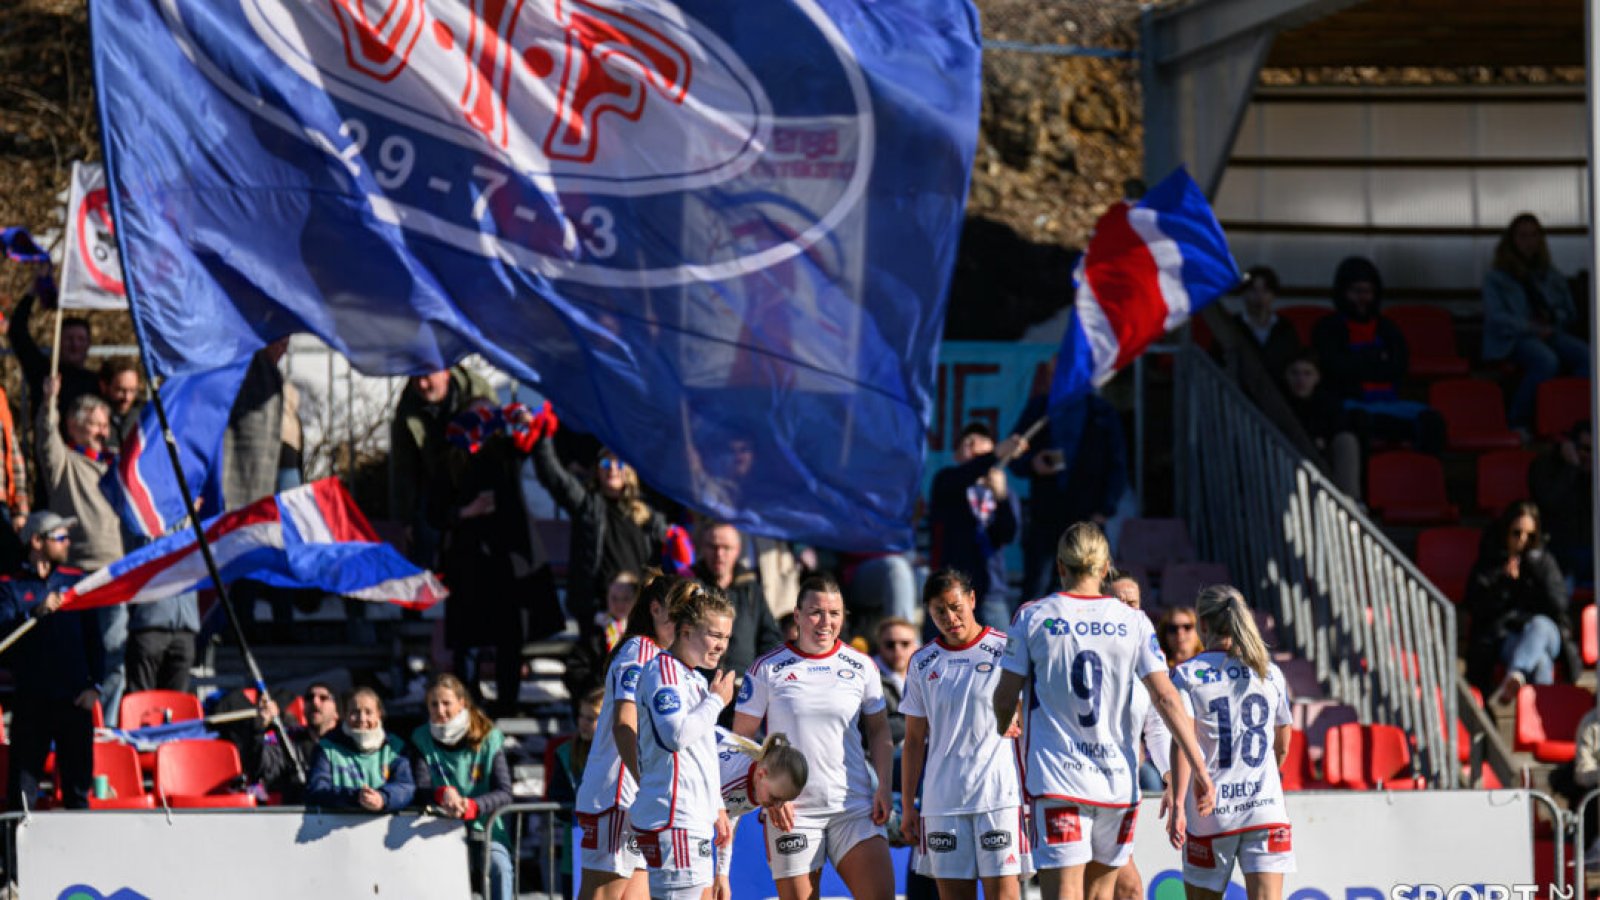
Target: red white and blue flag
1149	266
141	484
312	536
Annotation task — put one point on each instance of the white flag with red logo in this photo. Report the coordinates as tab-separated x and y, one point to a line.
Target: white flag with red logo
91	271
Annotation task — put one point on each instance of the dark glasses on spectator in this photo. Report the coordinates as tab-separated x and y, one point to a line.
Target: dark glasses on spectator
1180	626
318	696
59	538
898	643
609	463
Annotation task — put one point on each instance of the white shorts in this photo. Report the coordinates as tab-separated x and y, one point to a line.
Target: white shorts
608	844
1208	861
804	848
974	845
680	862
1072	834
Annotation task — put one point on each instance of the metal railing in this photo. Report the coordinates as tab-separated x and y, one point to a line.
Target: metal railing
1381	636
520	812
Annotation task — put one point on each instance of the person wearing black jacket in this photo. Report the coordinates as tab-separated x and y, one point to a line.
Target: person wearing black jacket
58	667
1364	358
1271	336
973	514
717	550
266	759
1517	602
1085	488
1561	483
613	529
76	379
1324	420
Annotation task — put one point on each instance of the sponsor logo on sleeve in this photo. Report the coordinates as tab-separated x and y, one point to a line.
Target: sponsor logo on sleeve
747	689
666	701
790	844
630	678
941	842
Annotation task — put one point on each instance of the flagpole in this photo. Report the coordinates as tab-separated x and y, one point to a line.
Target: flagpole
132	290
55	346
205	551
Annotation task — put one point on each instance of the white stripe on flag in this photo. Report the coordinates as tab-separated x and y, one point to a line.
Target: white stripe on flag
300	506
1103	346
1169	263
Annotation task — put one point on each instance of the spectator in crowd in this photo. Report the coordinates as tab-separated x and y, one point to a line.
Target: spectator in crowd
475	502
613	529
1179	639
790	627
717	551
1087	488
1155	742
253	442
58	667
565	772
1561	482
1574	780
76	379
460	764
161	643
585	666
361	766
266	759
417	448
1323	417
291	449
1272	337
897	641
973	515
119	387
1364	357
71	477
1517	604
1526	311
878	585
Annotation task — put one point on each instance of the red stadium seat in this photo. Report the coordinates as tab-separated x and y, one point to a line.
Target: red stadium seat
1303	318
1561	404
1503	479
1341	757
1474	413
120	764
1407	488
1430	335
199	774
1446	555
1366	757
1296	769
1547	720
1591	635
1152	543
144	708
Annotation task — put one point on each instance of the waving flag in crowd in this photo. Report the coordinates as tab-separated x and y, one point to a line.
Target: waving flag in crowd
312	536
1149	266
709	231
141	484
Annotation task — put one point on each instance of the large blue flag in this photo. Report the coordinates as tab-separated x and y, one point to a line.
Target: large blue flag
717	234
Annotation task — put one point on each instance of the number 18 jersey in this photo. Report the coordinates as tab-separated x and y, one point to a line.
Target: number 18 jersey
1083	658
1236	714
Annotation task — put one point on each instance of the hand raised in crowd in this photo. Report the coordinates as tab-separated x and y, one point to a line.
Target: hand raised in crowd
722	686
87	699
1514	566
996	480
1048	462
52	387
481	505
266	712
370	800
52	602
1012	447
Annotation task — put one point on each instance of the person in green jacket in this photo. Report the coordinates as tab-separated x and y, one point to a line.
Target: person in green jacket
461	768
361	766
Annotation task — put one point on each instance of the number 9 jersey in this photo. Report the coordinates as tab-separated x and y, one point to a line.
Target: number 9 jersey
1082	658
1236	717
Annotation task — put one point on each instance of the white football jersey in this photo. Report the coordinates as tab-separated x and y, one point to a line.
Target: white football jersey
680	780
818	702
736	770
1157	739
1082	658
1236	716
606	783
969	767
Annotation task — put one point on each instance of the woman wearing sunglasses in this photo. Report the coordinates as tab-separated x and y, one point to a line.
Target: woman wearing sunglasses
613	529
1180	640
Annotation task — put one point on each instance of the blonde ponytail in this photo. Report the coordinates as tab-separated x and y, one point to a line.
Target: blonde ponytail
1224	613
